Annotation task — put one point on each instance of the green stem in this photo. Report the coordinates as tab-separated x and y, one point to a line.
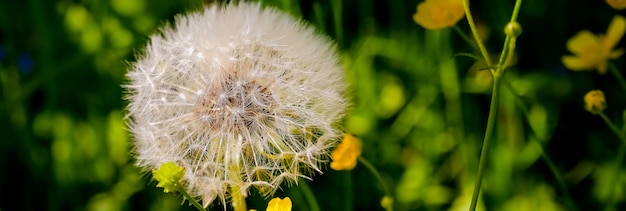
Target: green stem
557	175
479	42
337	18
546	159
613	127
509	47
617	75
465	37
376	174
191	200
308	194
615	179
518	5
505	52
491	123
348	187
620	156
239	202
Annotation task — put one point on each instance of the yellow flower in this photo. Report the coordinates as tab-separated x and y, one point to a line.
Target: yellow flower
617	4
592	51
169	176
594	101
438	14
386	202
278	204
346	154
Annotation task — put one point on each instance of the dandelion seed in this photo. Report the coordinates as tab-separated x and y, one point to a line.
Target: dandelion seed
240	96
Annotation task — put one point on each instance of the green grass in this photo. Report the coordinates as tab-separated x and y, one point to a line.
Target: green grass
419	106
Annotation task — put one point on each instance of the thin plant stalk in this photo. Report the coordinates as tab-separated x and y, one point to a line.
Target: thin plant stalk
239	202
308	195
491	123
191	200
617	75
613	127
464	36
615	179
544	156
376	174
497	73
349	195
479	42
620	155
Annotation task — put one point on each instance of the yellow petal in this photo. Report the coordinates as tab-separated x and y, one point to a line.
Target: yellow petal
582	42
617	4
577	63
423	16
346	154
437	14
615	32
616	53
278	204
595	101
602	67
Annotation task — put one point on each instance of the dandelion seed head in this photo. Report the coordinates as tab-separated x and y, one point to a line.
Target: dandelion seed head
238	95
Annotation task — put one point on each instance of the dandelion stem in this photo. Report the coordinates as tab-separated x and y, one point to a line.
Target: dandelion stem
376	174
191	200
239	202
613	127
617	75
308	194
234	172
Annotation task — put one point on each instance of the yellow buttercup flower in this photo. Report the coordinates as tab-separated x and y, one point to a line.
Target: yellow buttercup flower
438	14
595	101
592	52
617	4
278	204
346	154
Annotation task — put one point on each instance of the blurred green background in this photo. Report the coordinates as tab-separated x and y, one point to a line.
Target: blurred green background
419	110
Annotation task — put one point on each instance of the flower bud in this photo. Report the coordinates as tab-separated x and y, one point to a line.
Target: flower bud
512	29
594	101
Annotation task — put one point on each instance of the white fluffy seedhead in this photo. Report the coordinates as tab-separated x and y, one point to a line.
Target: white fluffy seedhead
240	96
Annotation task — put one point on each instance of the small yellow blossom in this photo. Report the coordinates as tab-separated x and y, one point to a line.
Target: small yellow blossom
617	4
438	14
387	203
592	51
346	154
278	204
169	175
594	101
